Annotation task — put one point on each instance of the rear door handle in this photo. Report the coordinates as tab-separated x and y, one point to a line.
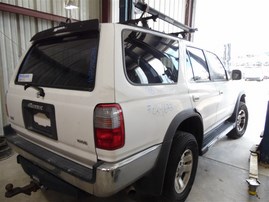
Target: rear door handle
195	98
220	92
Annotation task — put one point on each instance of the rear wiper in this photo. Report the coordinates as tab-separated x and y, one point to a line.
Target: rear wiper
39	89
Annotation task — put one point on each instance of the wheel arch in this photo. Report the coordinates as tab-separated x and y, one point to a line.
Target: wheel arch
184	121
193	125
241	98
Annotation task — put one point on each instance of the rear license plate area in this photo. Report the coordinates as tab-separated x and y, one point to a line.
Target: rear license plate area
40	118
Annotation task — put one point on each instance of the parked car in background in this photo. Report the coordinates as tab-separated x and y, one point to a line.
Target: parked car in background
253	73
265	72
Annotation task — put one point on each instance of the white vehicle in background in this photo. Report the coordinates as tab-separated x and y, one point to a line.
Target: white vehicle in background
254	73
266	71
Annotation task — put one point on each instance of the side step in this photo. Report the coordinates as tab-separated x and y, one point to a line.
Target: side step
214	135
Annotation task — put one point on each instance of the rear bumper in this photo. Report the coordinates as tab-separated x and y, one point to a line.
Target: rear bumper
102	179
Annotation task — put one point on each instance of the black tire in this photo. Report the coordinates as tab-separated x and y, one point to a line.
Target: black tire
181	167
241	122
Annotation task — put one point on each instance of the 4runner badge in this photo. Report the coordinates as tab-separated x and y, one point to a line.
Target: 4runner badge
34	106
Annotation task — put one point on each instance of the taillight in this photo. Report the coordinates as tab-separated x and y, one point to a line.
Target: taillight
109	126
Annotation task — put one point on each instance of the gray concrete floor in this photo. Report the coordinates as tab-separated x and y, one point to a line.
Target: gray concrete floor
221	174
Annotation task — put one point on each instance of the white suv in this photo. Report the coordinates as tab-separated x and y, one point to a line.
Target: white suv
105	106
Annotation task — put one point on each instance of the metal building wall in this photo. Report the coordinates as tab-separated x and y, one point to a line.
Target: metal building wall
16	31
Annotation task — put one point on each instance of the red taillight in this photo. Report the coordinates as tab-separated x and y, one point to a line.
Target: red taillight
109	126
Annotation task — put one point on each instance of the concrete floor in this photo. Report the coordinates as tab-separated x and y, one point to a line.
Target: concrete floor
221	174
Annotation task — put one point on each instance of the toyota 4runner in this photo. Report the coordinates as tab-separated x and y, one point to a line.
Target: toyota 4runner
101	107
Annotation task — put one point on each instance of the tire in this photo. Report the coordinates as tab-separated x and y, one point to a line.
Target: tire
181	167
241	122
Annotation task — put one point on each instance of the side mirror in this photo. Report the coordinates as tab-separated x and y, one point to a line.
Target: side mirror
236	74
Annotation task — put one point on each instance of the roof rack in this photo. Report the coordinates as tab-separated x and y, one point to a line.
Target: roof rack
156	14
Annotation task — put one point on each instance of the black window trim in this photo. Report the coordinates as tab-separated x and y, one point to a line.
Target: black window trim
210	68
209	71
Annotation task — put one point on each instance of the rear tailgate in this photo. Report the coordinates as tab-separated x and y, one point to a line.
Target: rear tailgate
61	125
54	93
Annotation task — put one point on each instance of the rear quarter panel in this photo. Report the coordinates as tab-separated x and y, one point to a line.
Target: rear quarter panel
147	110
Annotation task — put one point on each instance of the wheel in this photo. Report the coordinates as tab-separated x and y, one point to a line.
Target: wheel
241	122
181	167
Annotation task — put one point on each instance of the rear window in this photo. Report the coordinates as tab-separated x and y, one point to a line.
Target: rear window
68	63
150	59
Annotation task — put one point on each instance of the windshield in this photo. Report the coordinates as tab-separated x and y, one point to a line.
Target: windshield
67	62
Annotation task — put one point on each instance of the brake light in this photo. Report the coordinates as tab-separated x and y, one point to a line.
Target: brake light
109	126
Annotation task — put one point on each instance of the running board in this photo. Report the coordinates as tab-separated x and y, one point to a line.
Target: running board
214	135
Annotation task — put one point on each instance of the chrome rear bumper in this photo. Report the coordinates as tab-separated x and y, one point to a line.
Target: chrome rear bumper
102	179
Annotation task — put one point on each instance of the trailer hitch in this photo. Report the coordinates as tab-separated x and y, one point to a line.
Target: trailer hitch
28	189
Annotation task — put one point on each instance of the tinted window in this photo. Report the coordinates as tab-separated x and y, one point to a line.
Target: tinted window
189	72
218	71
61	63
198	64
150	59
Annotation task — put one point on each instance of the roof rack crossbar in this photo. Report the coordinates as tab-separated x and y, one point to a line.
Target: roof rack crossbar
145	8
142	19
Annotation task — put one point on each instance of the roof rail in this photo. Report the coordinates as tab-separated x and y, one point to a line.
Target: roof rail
156	14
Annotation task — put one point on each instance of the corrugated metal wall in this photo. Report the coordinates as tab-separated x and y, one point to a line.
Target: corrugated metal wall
17	30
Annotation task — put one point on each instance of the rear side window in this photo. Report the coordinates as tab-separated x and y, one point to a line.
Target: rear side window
67	63
150	59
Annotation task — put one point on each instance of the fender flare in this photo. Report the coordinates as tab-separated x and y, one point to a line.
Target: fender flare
153	182
241	96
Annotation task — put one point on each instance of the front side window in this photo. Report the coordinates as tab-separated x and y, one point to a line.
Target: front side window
218	71
150	59
67	62
198	64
